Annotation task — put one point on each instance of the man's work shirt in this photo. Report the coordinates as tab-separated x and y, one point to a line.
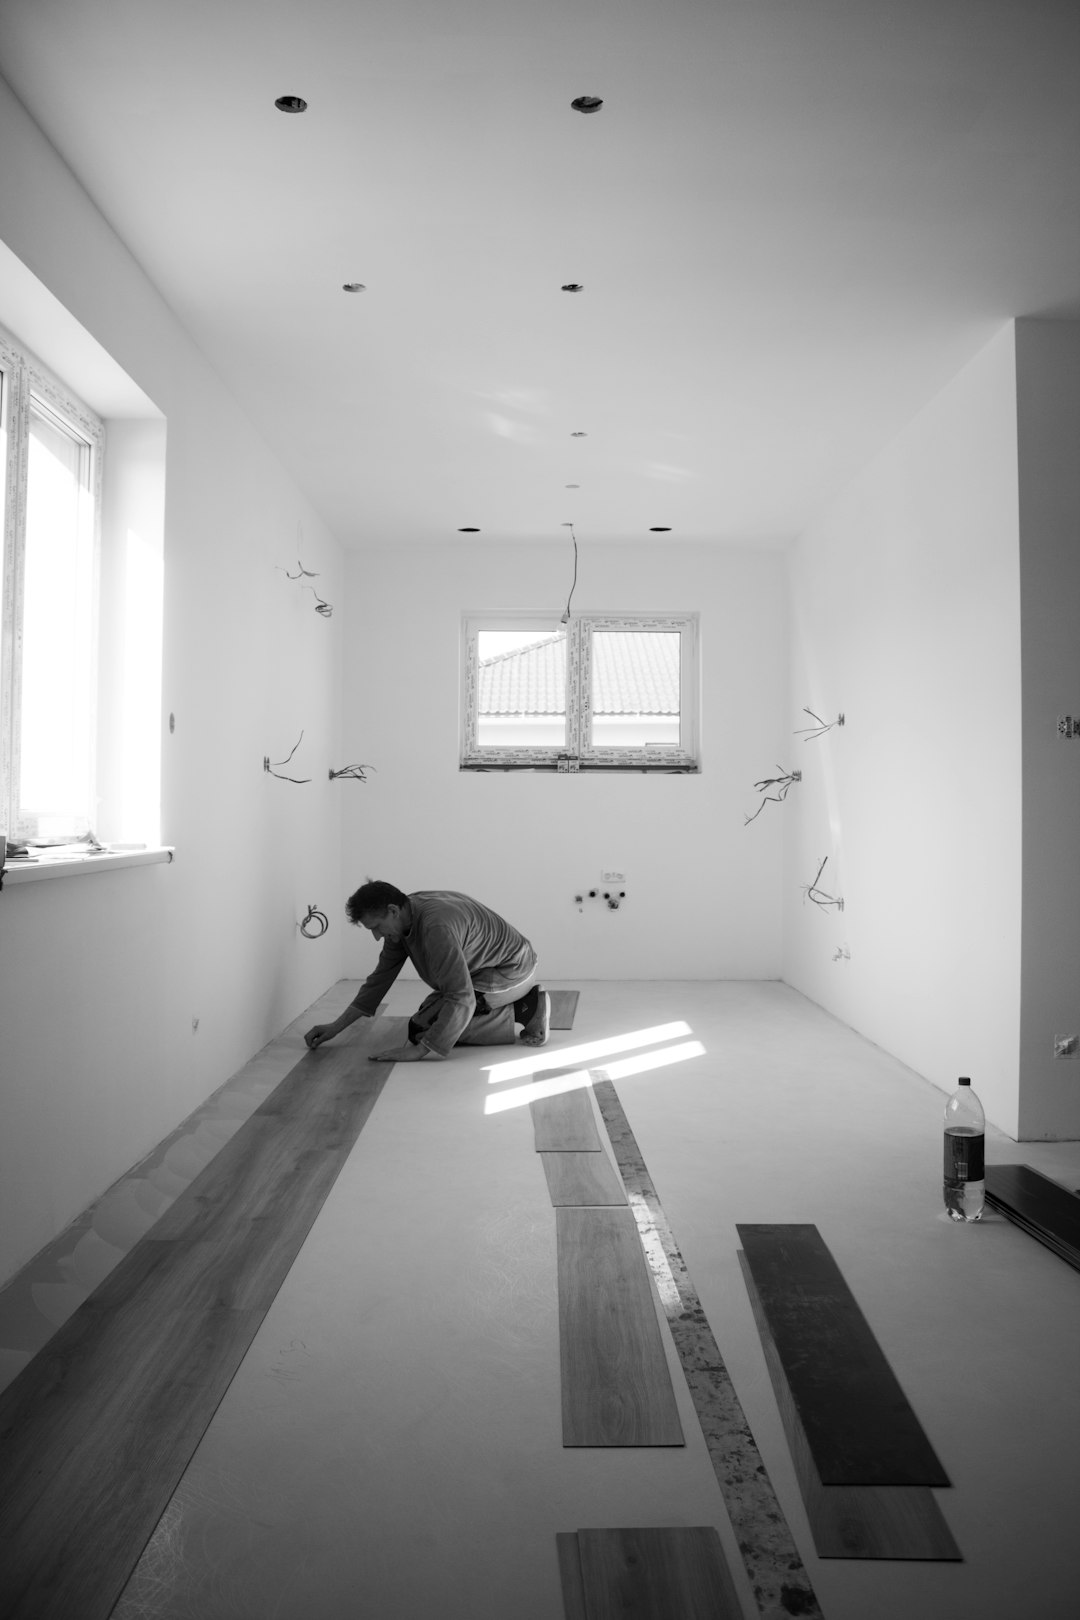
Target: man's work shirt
458	947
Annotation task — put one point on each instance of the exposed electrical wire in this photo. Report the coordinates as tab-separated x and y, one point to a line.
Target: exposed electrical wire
319	919
784	783
813	893
822	725
566	615
324	608
352	773
320	606
305	573
273	771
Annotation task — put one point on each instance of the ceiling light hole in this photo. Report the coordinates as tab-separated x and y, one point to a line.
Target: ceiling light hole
573	286
291	104
661	528
353	286
587	104
579	435
468	531
573	486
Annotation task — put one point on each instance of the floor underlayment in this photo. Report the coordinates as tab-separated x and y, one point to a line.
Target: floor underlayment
391	1445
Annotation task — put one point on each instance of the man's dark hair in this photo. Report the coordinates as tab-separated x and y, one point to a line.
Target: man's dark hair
373	899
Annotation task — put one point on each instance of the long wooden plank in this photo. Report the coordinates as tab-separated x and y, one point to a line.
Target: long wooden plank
563	1008
565	1123
616	1388
1045	1210
770	1556
676	1573
859	1425
96	1431
582	1178
573	1590
853	1521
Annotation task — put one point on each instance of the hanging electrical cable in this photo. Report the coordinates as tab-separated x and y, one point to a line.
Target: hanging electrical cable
566	615
318	919
273	771
352	773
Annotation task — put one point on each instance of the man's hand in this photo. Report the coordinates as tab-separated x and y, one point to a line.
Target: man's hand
400	1054
319	1033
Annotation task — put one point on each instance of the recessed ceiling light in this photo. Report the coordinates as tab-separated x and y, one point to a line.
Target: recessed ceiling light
468	531
291	104
353	286
579	435
661	528
573	286
587	104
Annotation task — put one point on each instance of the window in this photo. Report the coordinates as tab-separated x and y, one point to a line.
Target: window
603	692
50	448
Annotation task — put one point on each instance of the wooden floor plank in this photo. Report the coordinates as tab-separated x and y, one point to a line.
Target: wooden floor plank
565	1123
563	1008
97	1429
676	1573
573	1591
859	1425
582	1178
852	1521
616	1388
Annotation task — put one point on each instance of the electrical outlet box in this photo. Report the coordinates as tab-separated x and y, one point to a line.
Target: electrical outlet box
613	877
1067	726
1066	1046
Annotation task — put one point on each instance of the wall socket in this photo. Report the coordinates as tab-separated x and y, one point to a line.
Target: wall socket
613	877
1066	1046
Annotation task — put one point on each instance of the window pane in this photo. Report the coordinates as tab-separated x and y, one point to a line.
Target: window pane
635	689
56	746
522	688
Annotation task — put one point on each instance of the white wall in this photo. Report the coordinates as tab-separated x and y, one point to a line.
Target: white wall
905	617
1048	406
703	891
101	975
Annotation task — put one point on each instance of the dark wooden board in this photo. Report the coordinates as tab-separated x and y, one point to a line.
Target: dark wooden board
582	1178
859	1425
563	1007
565	1123
853	1521
1045	1210
97	1430
616	1388
676	1573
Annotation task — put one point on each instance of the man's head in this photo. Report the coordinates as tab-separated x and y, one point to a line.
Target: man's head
381	908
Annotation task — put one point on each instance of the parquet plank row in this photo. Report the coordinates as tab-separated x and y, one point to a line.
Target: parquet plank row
616	1388
582	1178
565	1123
668	1573
96	1431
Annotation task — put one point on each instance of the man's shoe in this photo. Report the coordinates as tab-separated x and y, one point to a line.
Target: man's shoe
535	1032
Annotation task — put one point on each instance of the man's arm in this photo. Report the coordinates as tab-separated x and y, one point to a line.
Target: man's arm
365	1003
319	1033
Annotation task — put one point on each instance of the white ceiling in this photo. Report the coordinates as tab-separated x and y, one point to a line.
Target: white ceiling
794	221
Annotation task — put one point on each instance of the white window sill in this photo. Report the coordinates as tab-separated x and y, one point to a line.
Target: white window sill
54	866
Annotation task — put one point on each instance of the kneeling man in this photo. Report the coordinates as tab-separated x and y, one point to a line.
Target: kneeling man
481	971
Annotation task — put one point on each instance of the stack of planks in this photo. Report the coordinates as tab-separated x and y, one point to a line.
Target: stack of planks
668	1574
864	1464
1043	1209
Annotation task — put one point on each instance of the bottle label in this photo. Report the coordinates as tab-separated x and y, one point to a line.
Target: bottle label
965	1155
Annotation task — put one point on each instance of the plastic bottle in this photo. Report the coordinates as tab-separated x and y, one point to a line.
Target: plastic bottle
965	1155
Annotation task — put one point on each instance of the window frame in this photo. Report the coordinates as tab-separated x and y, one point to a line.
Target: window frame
577	754
22	379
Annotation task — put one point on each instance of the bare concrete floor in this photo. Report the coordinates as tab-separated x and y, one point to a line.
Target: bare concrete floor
391	1445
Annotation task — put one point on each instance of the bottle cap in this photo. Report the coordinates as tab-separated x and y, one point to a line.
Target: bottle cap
965	1080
